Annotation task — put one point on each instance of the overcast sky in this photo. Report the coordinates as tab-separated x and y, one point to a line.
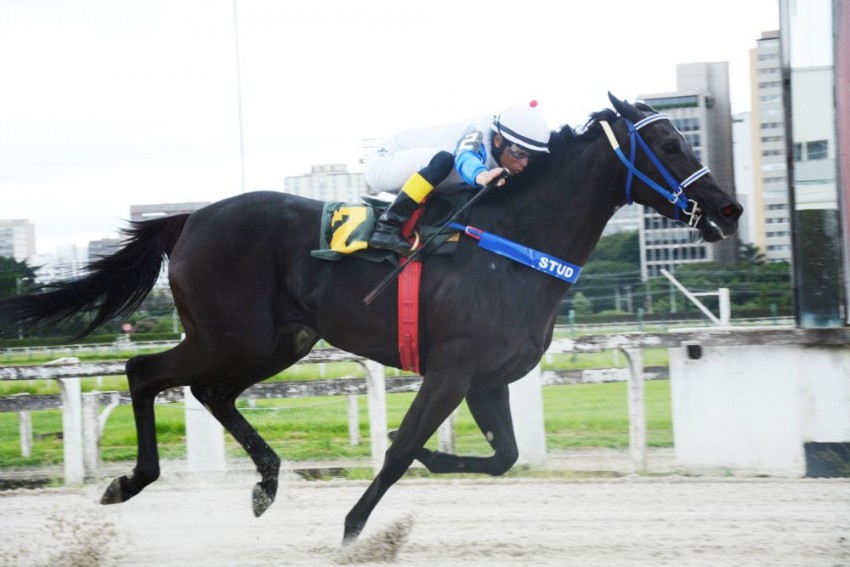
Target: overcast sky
108	103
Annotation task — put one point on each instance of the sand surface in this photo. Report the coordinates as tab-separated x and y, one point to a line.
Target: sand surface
191	520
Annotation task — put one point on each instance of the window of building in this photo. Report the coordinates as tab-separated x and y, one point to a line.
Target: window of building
673	102
798	151
817	149
774	179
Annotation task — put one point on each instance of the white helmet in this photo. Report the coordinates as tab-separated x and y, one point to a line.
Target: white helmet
523	125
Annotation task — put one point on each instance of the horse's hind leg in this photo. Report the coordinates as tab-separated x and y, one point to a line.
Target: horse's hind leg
220	400
188	364
144	387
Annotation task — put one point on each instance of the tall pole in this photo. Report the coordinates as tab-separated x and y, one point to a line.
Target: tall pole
239	95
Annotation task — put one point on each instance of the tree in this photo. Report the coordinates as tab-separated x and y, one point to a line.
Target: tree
15	277
618	247
613	267
750	254
582	306
751	285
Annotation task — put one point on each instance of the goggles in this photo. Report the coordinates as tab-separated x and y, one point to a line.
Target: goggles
518	152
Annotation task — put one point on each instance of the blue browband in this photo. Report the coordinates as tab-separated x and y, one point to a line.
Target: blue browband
676	194
530	257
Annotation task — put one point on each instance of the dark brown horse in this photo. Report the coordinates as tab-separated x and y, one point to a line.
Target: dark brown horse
253	301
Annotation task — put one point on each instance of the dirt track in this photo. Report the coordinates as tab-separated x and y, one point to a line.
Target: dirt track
476	522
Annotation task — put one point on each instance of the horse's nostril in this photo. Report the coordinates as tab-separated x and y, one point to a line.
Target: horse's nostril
728	211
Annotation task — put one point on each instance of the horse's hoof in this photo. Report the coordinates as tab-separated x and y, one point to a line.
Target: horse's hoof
261	500
116	493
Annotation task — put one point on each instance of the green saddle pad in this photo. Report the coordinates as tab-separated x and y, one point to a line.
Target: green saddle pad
346	227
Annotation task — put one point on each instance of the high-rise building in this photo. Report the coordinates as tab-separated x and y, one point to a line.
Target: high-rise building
147	212
815	63
701	110
103	247
331	182
17	239
742	151
772	230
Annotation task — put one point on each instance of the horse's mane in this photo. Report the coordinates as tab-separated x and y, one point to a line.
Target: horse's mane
565	138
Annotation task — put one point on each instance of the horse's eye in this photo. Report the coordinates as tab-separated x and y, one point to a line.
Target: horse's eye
670	147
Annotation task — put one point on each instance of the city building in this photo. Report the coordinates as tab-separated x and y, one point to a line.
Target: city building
624	220
770	204
103	247
17	239
700	108
330	182
815	63
147	212
742	152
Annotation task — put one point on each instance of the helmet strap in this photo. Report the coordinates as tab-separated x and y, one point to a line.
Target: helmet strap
497	151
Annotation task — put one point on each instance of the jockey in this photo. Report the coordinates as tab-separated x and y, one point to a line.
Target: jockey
474	152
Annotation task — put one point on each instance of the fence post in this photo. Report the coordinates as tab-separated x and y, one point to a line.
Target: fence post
527	413
204	436
376	391
25	420
353	421
72	430
637	409
91	455
114	402
446	438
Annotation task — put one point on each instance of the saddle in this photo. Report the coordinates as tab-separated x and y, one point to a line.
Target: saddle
345	231
346	227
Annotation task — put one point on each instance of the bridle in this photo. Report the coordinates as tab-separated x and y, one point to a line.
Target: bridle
676	193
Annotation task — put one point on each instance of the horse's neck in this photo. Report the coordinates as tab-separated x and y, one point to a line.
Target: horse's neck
563	210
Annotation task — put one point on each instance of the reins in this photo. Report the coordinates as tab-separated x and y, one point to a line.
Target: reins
676	193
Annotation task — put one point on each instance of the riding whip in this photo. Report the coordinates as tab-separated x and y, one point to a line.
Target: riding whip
378	289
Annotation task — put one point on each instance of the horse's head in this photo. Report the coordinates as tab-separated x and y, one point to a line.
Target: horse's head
664	172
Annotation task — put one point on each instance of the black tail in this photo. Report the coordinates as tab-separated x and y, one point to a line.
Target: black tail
114	286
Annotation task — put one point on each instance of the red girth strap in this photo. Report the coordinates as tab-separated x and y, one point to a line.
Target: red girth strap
408	315
408	302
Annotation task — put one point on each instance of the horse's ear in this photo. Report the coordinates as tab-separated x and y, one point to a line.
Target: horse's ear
625	109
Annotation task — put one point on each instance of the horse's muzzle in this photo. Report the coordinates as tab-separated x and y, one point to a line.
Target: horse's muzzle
721	223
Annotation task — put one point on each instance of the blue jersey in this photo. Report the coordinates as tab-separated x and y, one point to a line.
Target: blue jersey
471	156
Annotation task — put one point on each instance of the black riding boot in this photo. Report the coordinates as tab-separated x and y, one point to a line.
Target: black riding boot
387	235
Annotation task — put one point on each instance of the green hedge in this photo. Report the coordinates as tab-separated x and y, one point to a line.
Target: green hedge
93	339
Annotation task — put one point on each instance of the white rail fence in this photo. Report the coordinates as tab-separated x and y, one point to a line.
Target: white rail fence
84	415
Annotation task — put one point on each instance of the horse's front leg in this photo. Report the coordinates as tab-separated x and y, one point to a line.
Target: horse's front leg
492	412
435	401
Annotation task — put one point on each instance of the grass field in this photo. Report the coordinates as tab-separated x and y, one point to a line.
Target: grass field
577	416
